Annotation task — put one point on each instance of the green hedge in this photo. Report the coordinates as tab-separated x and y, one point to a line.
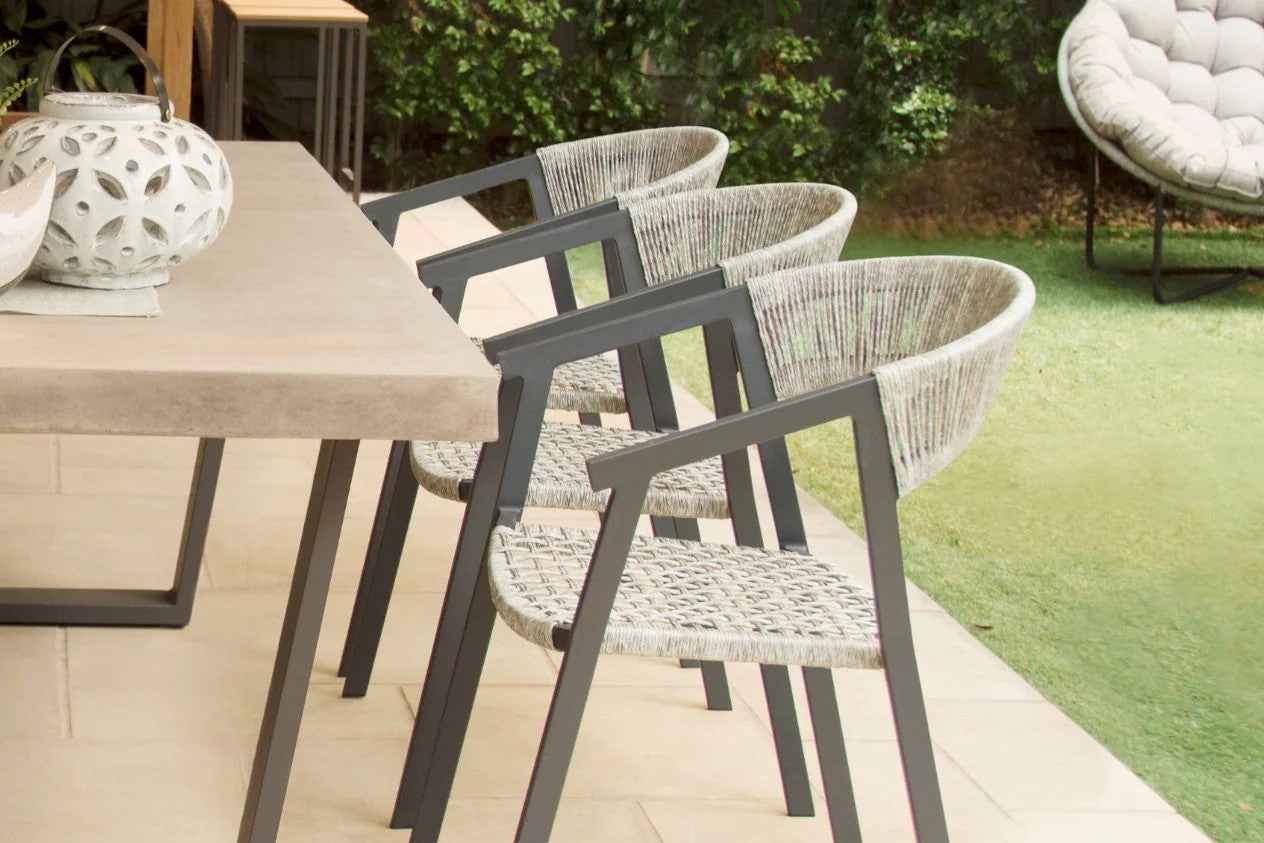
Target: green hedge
843	91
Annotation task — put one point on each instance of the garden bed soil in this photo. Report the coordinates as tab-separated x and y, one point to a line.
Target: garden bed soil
1000	176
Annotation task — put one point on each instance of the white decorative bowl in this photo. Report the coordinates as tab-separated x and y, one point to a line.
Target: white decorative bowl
137	192
23	217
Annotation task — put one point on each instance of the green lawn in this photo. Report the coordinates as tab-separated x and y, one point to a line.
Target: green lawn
1105	532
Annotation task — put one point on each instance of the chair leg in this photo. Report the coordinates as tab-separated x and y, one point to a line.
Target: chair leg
395	461
456	619
879	494
377	597
916	751
433	756
840	797
1156	257
786	738
1090	212
1162	295
715	684
557	746
1156	270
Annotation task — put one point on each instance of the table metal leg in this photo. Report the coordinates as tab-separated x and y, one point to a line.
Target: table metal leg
278	735
224	79
346	114
211	96
321	71
357	163
330	146
131	606
239	77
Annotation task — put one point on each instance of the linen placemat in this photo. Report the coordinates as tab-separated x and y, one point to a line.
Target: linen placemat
39	298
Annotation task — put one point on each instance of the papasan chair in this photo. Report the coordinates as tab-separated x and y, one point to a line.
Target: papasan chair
1173	92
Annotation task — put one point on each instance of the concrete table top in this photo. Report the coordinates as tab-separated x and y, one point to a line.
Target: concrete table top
300	322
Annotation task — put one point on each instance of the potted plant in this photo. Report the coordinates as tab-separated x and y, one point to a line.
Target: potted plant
12	92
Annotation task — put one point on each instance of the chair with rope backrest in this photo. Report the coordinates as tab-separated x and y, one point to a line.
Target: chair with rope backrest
675	246
911	349
567	182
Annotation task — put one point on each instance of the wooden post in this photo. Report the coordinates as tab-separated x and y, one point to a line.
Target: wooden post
171	45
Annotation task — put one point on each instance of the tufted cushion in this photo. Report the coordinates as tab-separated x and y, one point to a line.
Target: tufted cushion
1179	84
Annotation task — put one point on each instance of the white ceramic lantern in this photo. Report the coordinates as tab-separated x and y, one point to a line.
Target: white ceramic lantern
137	191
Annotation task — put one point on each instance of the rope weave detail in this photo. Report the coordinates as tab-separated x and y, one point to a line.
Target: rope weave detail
559	477
936	332
632	166
683	599
747	231
590	385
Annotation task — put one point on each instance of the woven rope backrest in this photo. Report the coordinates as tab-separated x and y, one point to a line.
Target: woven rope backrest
632	166
747	231
936	332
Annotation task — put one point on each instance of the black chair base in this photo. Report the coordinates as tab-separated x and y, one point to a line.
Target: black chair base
1222	277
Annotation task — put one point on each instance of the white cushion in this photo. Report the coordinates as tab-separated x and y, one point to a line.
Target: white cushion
1179	84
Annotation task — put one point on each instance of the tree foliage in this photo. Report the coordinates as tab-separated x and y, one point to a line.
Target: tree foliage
843	91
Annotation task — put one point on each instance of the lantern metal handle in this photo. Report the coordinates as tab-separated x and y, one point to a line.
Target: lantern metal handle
164	101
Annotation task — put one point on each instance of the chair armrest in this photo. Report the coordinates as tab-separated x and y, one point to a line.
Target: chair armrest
734	433
434	269
579	228
620	307
540	357
384	213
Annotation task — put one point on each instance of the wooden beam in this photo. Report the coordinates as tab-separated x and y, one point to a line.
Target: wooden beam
171	45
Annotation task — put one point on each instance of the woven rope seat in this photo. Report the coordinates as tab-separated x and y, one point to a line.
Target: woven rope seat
687	599
1173	92
746	231
936	333
628	167
559	478
591	385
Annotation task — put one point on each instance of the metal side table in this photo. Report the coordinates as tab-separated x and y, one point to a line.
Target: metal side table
341	35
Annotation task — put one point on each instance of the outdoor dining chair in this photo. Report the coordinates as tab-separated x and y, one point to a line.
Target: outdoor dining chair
567	182
588	176
679	244
912	350
592	176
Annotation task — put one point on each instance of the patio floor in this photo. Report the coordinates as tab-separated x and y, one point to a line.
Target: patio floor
146	735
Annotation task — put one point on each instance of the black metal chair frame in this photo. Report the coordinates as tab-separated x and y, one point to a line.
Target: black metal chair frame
1229	275
528	358
646	386
399	488
650	407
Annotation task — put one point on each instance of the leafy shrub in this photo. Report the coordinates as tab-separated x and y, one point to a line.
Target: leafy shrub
915	67
93	64
766	98
614	84
643	63
460	83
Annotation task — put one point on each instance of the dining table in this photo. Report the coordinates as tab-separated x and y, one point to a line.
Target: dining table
300	322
